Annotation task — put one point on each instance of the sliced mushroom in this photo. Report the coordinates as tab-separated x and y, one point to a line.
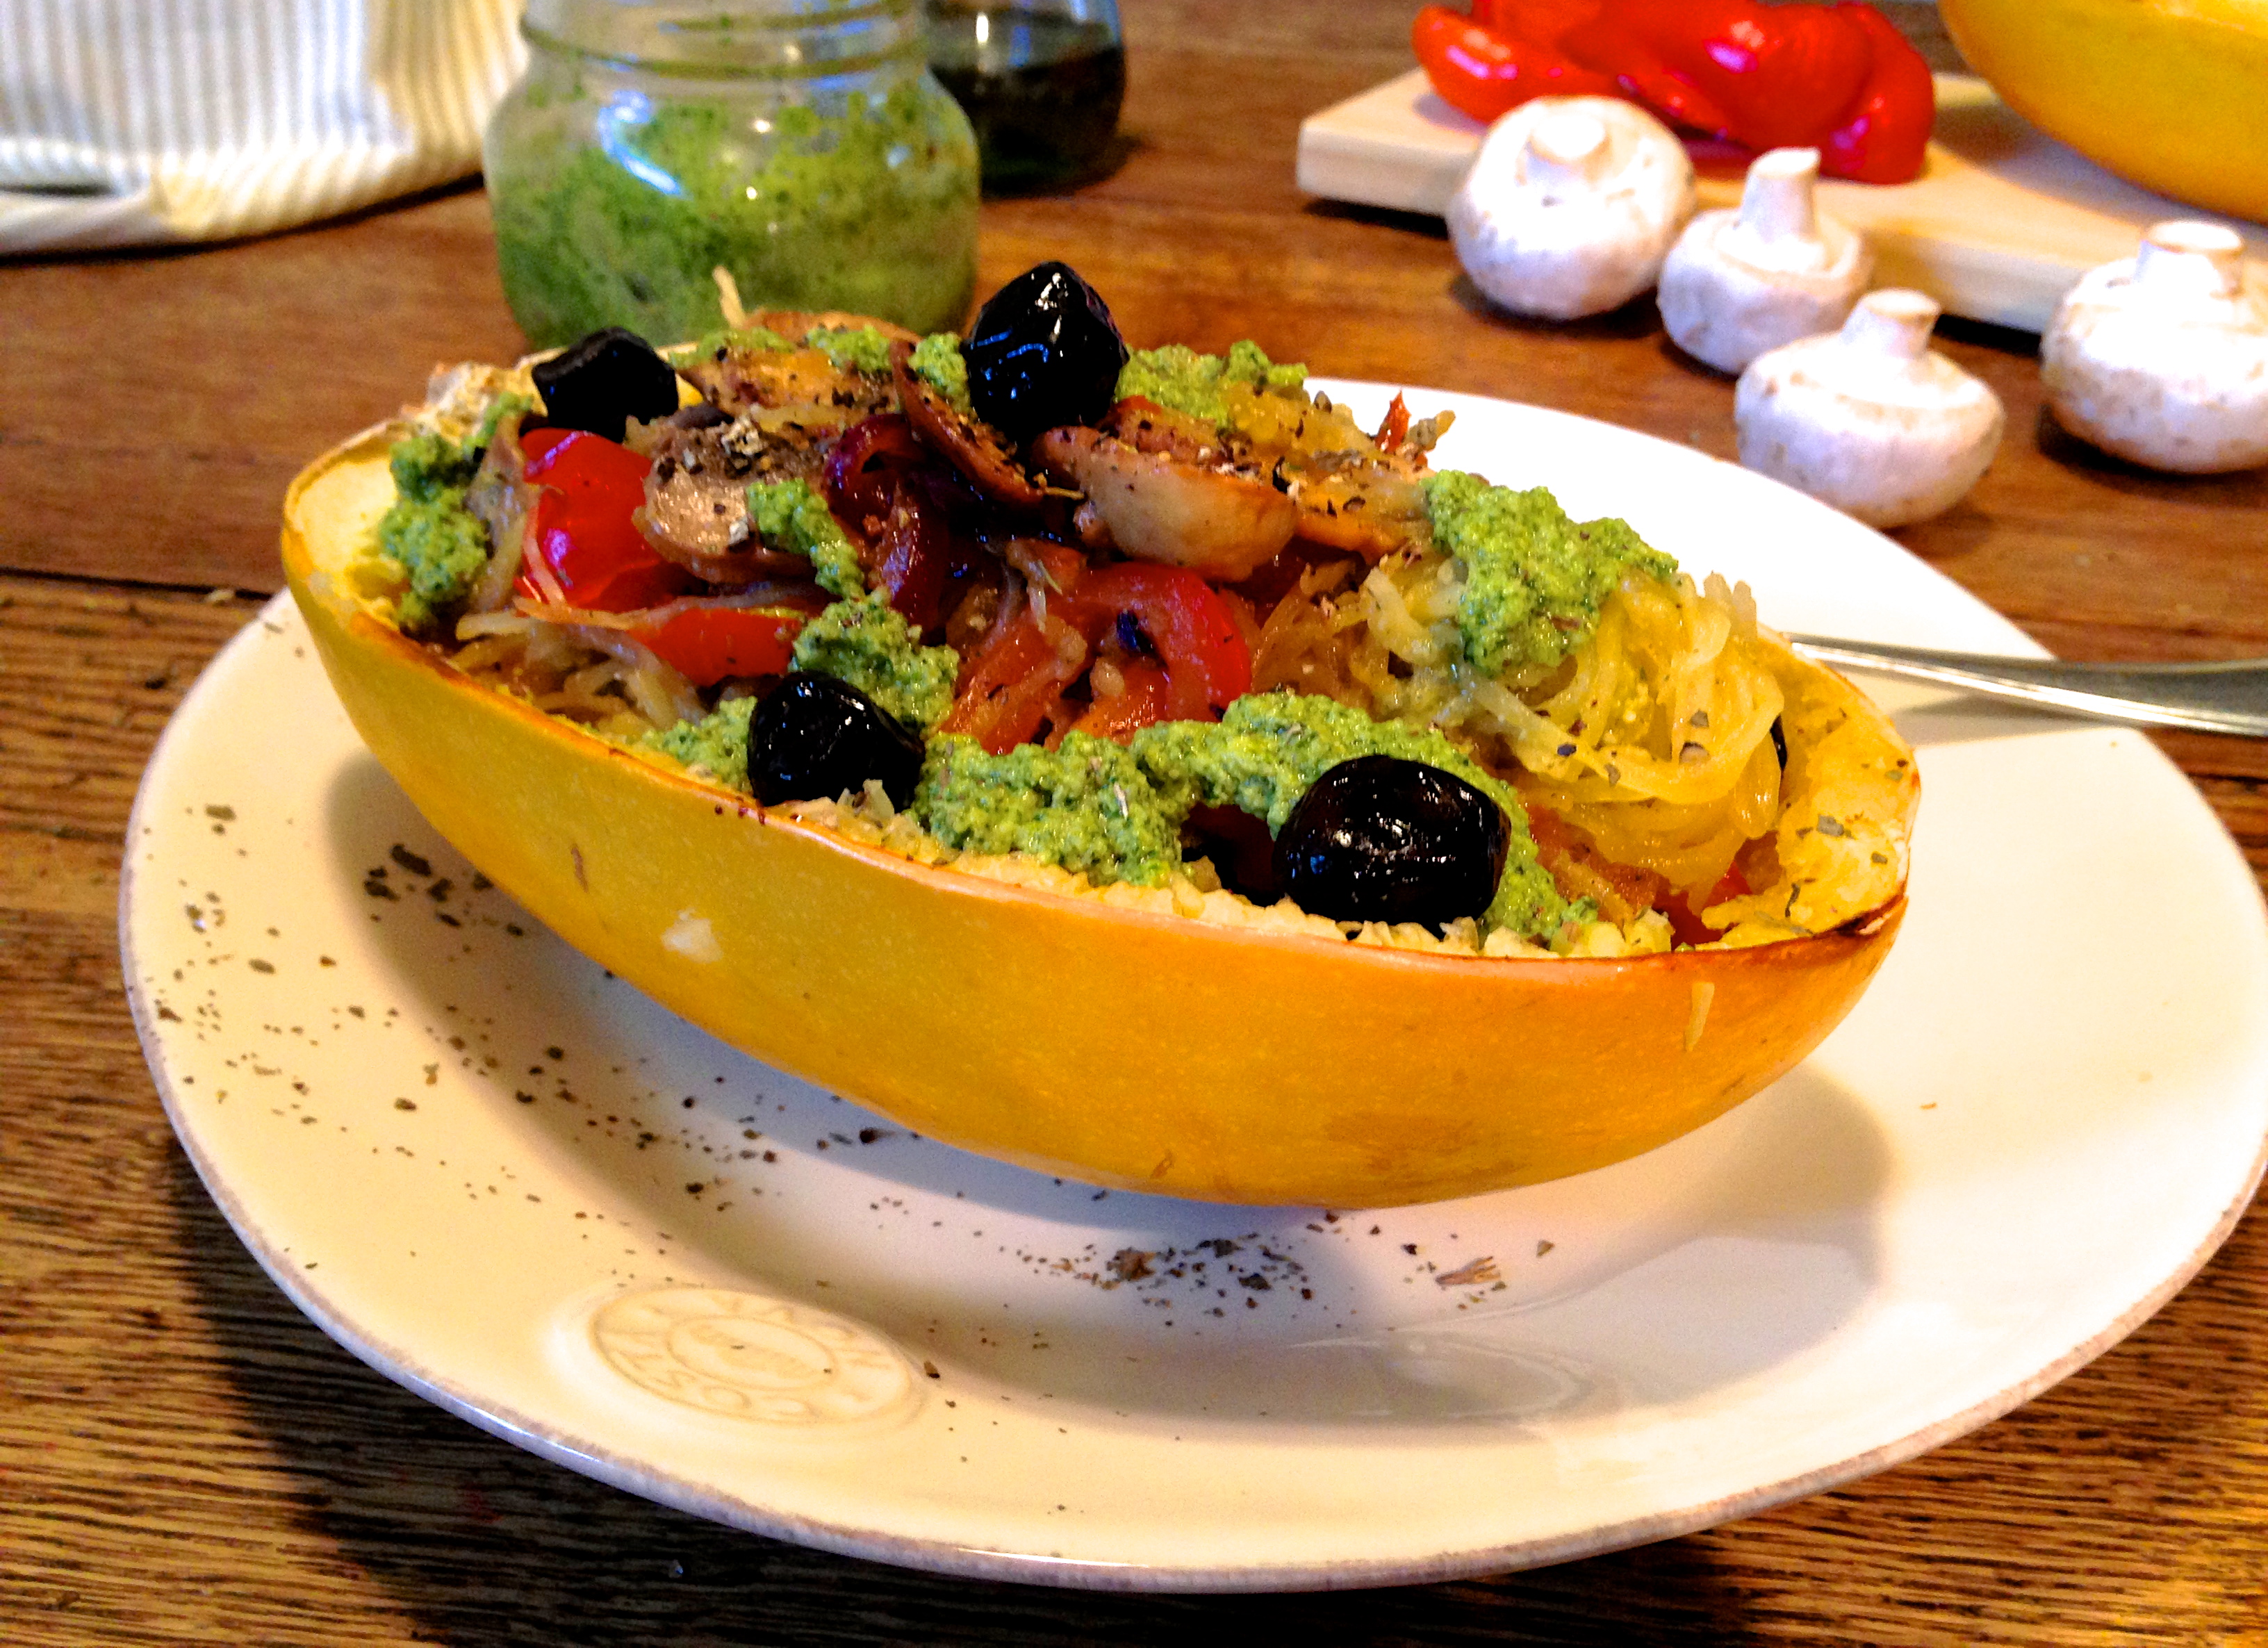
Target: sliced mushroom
697	495
1867	419
1739	283
1571	206
1154	507
740	379
2163	357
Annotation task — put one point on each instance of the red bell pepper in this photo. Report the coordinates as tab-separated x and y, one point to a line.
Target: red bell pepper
708	644
886	484
1007	689
1485	74
1144	700
1839	78
585	539
1010	688
1884	135
1208	666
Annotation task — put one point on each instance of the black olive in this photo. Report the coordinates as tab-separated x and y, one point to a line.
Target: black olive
1780	743
1382	839
1044	352
604	380
815	737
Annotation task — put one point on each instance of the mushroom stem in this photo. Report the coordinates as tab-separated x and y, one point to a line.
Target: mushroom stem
1776	203
2184	256
1569	148
1893	323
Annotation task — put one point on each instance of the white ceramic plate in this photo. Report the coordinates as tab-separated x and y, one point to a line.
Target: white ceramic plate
507	1181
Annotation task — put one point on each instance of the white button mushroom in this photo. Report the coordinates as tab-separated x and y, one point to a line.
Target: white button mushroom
1867	418
1739	283
2163	357
1570	206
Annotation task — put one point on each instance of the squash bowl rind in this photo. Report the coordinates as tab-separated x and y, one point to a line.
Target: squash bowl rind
1115	1046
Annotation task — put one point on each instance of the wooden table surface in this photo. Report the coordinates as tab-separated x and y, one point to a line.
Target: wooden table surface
184	1458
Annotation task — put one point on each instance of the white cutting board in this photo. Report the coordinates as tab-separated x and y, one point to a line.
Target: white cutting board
2002	220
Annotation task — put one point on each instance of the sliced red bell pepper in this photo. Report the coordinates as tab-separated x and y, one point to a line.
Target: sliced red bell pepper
1146	696
585	537
1207	665
1006	690
708	644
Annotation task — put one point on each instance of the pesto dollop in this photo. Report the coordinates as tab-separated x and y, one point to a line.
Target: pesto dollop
1268	748
868	643
1534	578
715	747
613	213
854	349
1086	806
1180	379
440	546
938	361
789	515
1116	815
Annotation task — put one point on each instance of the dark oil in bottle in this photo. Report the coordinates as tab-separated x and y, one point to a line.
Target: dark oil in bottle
1042	91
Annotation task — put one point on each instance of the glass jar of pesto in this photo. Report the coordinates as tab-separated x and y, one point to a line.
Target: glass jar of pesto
800	144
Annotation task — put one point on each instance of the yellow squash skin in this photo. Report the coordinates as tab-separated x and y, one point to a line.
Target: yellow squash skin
1145	1052
2172	94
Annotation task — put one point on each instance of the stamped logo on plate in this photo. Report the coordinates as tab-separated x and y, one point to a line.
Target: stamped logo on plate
746	1356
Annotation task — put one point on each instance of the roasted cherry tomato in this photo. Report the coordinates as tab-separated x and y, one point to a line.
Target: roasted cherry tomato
707	643
584	538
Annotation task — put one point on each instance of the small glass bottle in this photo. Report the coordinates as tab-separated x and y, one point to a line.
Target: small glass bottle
1041	81
801	144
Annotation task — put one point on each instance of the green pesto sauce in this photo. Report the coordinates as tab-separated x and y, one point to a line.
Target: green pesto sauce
441	546
1268	748
789	515
869	644
715	747
853	348
1116	814
712	345
872	210
1535	579
1086	806
1177	376
937	361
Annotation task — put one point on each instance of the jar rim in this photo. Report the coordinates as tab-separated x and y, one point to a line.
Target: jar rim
762	38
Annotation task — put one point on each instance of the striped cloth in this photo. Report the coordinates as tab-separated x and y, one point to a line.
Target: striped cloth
141	122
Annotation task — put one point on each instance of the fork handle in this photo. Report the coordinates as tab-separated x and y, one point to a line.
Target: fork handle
2218	697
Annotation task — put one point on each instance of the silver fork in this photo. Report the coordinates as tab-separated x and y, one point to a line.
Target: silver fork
2218	697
